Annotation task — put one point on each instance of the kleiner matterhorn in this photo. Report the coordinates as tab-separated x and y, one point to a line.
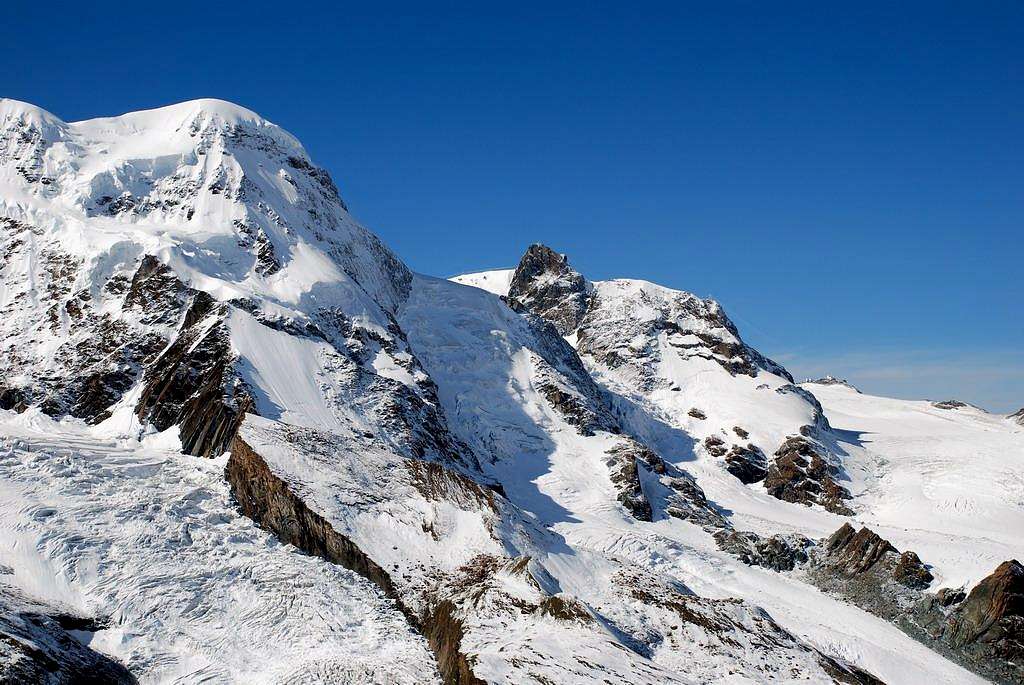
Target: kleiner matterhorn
242	442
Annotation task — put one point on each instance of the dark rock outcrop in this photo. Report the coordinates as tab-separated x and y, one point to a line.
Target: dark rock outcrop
1018	416
192	384
624	470
831	380
987	628
546	285
869	572
748	463
102	354
950	404
715	446
631	464
16	399
911	572
800	474
36	646
778	552
155	292
854	553
992	605
983	631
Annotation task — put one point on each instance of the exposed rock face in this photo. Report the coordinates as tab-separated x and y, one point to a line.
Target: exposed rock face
993	613
269	501
950	404
155	292
83	345
869	572
607	330
624	469
715	446
37	647
778	552
748	463
800	474
852	554
1018	416
911	572
546	285
631	464
983	631
192	384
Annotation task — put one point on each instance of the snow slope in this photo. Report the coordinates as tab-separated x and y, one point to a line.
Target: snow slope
944	483
947	483
147	539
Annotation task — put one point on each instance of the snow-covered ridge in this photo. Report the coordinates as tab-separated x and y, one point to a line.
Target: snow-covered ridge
187	183
496	281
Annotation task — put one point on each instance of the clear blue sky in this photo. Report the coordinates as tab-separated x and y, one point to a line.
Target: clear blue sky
847	181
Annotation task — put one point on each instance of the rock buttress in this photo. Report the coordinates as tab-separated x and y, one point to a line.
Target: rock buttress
269	501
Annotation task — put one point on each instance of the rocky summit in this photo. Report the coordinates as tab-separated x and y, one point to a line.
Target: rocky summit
241	441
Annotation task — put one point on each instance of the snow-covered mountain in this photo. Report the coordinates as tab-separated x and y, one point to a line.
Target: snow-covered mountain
243	442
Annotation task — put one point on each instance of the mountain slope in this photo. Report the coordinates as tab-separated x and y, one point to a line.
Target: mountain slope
684	381
545	487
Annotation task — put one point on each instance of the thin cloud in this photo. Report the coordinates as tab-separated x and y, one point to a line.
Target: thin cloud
993	379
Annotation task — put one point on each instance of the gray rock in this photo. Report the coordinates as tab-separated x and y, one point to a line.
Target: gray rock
778	552
38	645
546	285
800	474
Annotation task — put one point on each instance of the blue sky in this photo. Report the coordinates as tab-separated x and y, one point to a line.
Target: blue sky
847	181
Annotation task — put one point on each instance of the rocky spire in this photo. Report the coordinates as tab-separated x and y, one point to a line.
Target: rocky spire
546	285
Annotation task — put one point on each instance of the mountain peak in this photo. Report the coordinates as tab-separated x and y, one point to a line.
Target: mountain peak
831	380
205	117
18	114
11	108
227	112
545	284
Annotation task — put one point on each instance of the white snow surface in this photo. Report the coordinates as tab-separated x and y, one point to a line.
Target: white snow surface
137	533
496	282
946	483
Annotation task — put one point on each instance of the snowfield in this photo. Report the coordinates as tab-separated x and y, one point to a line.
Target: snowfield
147	540
947	483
